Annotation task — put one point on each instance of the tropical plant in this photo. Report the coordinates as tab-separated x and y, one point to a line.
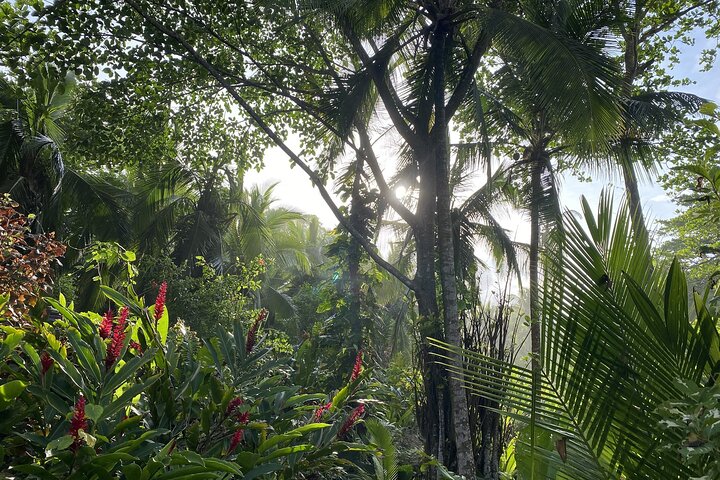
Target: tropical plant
31	165
93	396
650	111
27	261
617	336
695	418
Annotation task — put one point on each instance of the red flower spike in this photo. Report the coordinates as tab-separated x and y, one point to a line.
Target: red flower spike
122	320
106	325
352	420
160	301
136	346
236	439
46	362
234	403
244	418
118	339
252	333
357	368
317	416
78	422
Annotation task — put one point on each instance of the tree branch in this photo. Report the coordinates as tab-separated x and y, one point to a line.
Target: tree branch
314	177
671	19
372	161
387	94
463	87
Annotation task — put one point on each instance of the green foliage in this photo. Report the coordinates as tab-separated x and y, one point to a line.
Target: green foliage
695	183
170	405
207	300
694	417
617	335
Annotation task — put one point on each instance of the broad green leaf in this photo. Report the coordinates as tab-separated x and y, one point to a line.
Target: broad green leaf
285	451
262	470
59	444
10	391
124	400
121	300
93	412
163	323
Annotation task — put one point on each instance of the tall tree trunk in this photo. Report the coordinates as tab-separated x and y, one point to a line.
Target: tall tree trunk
633	194
536	168
428	414
458	397
354	256
627	162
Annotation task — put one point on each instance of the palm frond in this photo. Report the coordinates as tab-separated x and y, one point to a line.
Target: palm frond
615	339
582	99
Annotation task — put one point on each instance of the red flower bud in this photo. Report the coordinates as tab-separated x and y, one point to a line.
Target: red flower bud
106	325
351	420
244	418
317	416
234	403
357	368
236	439
160	301
118	339
46	362
252	333
136	346
78	422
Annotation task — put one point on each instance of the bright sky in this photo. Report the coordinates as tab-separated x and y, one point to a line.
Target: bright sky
296	191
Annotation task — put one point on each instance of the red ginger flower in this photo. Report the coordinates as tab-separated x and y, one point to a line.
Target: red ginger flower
357	368
118	339
351	420
236	439
234	403
136	346
78	422
321	411
244	418
46	362
160	301
252	333
106	325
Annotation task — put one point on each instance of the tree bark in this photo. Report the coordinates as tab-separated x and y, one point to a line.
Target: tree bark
458	398
633	195
428	414
627	162
536	168
354	255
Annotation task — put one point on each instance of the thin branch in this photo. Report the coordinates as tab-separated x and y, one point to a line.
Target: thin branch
671	19
372	162
388	95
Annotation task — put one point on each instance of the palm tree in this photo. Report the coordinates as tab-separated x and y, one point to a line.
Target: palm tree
648	113
617	337
261	228
578	122
31	165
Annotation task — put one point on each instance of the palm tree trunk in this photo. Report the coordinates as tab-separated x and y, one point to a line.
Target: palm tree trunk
458	398
627	163
428	412
633	196
536	168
